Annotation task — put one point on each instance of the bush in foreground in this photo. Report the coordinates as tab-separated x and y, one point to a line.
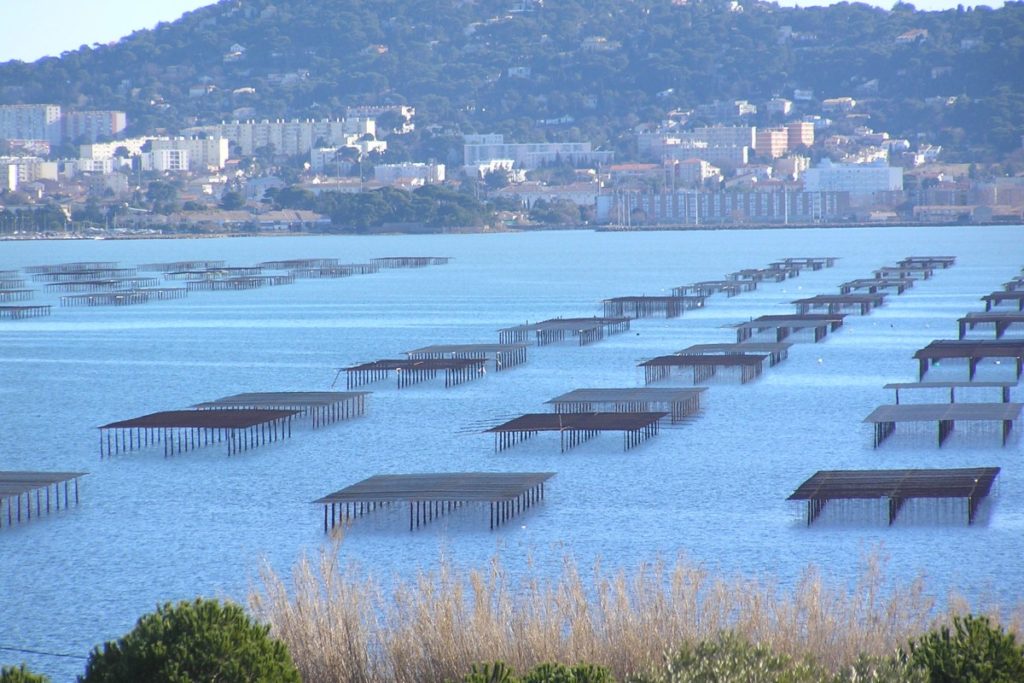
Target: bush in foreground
499	672
974	651
202	640
10	674
732	659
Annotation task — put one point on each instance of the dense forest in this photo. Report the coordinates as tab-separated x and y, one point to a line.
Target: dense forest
554	69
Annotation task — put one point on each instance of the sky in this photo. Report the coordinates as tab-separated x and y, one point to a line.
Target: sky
30	29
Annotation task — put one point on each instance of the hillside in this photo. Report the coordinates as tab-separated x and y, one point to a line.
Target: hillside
598	67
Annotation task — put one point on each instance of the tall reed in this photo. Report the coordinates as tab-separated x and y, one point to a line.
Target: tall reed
342	626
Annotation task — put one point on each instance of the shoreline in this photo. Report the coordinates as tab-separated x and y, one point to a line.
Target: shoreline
505	230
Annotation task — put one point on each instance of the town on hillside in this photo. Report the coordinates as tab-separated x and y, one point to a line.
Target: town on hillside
817	163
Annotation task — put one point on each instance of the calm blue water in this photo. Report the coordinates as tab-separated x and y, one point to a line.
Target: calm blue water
151	529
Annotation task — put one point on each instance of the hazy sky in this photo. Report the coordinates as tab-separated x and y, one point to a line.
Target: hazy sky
30	29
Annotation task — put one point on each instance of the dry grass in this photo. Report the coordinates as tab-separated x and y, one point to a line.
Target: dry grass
343	627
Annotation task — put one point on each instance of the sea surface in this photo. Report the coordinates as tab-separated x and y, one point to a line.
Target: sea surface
151	529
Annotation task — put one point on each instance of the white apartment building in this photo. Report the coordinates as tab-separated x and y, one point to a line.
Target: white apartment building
374	110
166	161
85	165
15	171
30	122
204	154
288	137
106	150
93	125
725	136
729	156
695	171
478	149
862	181
416	172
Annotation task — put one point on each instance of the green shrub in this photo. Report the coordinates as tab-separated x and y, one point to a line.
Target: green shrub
491	672
730	659
975	651
560	673
202	640
895	669
10	674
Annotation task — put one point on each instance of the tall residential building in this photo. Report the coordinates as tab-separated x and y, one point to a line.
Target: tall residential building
770	143
106	150
288	137
90	126
484	148
728	156
725	136
30	122
800	134
409	171
862	181
166	160
204	154
15	171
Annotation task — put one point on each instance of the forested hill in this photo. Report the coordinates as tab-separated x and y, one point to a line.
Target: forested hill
600	65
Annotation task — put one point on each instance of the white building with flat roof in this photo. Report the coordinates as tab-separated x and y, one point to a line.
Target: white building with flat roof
289	137
204	154
421	173
166	161
107	150
478	149
862	181
725	136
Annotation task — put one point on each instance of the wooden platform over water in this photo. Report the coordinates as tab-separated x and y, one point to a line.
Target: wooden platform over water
410	261
777	351
409	371
432	495
704	366
874	285
895	487
970	350
679	403
786	325
586	330
505	356
650	306
837	303
708	287
322	407
184	430
945	415
1000	322
952	386
8	295
577	428
998	298
23	312
15	485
